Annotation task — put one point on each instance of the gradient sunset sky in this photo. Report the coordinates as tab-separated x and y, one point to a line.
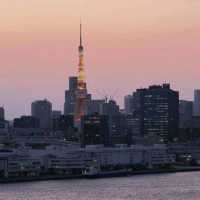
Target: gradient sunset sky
128	44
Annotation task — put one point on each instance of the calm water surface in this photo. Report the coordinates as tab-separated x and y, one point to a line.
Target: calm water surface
179	186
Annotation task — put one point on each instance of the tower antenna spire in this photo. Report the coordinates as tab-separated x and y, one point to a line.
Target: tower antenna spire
81	92
80	33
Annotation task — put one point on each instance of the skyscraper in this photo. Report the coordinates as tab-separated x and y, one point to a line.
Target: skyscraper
196	106
110	108
70	96
3	124
128	104
95	106
64	125
73	83
42	109
185	113
156	112
81	92
2	113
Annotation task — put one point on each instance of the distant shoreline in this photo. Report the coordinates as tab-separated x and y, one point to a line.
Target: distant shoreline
107	175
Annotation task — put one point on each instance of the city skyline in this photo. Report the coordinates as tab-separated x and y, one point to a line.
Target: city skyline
125	53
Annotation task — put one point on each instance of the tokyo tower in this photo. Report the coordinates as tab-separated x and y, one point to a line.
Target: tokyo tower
81	92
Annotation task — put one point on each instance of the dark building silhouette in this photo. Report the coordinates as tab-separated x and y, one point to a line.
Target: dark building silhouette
95	130
2	114
95	106
118	124
73	83
56	114
133	127
63	123
156	112
128	104
70	96
185	114
26	122
196	107
42	109
116	120
196	122
110	108
118	129
4	125
189	125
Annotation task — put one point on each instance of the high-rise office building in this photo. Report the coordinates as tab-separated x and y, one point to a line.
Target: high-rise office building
73	83
156	112
2	114
64	126
196	107
115	118
42	109
110	108
185	114
118	129
95	106
128	104
70	96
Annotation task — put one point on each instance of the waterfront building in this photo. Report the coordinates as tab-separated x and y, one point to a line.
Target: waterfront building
42	109
18	165
156	112
196	107
58	157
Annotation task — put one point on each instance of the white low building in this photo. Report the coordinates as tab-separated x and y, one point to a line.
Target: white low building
66	158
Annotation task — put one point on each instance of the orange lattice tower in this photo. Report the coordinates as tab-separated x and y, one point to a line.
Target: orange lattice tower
81	93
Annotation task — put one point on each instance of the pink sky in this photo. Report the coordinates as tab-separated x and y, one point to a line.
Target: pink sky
128	44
